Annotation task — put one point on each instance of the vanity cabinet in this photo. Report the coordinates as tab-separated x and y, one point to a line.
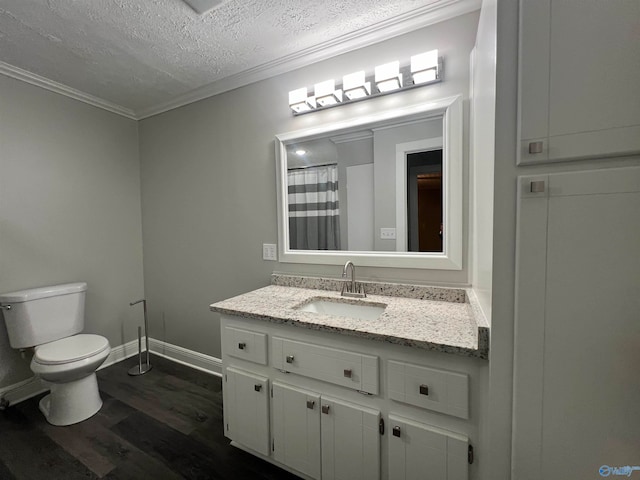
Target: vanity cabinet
325	437
578	78
328	406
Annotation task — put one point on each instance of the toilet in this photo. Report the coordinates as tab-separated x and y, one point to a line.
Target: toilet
51	319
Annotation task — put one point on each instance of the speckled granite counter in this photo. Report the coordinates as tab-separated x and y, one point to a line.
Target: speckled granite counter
442	319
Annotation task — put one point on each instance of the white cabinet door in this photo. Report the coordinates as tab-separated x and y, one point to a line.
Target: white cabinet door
296	428
246	409
421	452
578	77
350	441
577	344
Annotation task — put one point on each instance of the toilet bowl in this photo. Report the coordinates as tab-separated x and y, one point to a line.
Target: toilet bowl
67	367
51	320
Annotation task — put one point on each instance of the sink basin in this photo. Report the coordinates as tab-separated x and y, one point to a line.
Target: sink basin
360	310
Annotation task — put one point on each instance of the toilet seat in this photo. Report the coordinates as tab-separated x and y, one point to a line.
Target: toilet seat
70	349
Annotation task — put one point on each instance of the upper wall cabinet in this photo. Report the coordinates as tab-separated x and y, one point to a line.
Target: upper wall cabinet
579	71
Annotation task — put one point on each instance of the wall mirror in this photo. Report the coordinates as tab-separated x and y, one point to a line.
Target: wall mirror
383	189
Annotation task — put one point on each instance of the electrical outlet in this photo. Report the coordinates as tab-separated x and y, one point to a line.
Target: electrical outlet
269	252
388	233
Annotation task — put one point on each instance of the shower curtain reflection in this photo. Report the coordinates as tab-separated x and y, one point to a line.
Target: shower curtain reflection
314	210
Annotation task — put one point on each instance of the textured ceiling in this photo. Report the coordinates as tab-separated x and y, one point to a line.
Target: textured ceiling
137	54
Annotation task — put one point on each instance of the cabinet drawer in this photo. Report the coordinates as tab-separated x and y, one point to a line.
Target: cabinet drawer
439	390
251	346
347	369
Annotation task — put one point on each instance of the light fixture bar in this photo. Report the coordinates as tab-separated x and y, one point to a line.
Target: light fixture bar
423	69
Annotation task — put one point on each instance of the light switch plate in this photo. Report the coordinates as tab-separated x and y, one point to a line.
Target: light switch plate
388	233
269	252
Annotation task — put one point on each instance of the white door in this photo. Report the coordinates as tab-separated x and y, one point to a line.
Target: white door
577	345
246	409
296	428
421	452
350	441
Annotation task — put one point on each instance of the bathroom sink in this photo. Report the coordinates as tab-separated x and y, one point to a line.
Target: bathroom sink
329	306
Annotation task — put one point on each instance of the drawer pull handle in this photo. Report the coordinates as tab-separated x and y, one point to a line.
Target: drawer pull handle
348	372
257	387
424	389
396	431
311	404
325	409
536	147
242	345
290	358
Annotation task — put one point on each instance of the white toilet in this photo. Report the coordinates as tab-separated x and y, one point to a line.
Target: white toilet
51	319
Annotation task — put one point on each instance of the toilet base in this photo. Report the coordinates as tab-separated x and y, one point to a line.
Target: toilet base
71	402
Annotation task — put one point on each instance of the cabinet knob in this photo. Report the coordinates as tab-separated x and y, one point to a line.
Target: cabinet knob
424	389
310	404
325	409
348	372
396	431
536	147
242	345
290	358
257	387
537	186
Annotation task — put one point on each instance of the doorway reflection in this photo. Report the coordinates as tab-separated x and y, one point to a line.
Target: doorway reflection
424	201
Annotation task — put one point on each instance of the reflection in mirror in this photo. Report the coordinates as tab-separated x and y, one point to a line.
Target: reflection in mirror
385	189
334	203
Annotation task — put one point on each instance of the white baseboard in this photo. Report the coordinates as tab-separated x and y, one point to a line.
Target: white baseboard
21	391
31	387
192	359
120	353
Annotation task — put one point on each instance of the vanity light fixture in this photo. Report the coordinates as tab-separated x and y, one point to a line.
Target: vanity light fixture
300	102
326	93
355	85
301	152
424	67
388	77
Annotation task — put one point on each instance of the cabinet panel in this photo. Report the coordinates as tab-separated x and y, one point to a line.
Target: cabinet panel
352	370
439	390
245	344
296	428
246	409
578	284
350	441
578	71
421	452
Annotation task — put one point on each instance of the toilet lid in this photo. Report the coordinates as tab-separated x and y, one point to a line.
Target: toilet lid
70	349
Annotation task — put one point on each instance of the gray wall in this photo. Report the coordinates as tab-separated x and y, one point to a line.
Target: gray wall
69	209
208	184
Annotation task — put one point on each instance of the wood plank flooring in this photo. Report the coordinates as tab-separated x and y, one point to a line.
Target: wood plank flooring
166	424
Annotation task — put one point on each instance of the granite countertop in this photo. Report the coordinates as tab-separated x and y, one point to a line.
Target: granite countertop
441	319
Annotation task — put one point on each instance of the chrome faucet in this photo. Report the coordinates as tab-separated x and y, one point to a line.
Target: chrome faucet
351	288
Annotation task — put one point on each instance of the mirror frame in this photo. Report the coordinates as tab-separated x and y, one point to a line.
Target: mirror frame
450	258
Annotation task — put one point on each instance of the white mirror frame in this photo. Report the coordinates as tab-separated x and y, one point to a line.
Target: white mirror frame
450	109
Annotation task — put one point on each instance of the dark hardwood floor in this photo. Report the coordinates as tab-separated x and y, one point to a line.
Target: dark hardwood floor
166	424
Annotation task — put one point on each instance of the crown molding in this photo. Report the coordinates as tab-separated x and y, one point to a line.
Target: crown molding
421	17
42	82
436	12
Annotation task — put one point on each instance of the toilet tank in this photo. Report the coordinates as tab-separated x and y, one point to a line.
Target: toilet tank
41	315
